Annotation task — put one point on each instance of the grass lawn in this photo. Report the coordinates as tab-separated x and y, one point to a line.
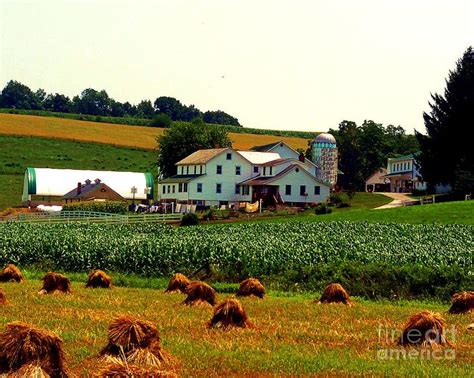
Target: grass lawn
292	337
17	153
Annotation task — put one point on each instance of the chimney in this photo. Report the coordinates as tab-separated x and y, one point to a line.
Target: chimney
88	182
97	181
301	157
79	187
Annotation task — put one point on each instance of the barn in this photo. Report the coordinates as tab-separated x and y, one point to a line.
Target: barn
50	184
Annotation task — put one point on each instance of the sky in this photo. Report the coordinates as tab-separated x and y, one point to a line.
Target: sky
289	65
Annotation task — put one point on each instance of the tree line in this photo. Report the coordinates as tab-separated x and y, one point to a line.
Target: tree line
16	95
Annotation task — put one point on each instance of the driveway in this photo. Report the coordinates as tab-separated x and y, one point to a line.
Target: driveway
398	200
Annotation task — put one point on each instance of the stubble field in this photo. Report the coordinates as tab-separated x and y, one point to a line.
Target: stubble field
293	336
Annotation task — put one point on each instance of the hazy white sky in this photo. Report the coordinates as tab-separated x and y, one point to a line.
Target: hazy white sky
299	65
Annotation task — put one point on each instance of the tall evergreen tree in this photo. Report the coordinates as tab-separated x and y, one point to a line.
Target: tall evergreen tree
447	154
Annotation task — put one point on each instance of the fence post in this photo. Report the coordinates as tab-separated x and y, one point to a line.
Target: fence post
433	198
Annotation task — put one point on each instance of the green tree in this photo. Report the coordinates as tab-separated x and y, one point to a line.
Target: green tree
57	103
169	106
446	150
220	117
161	120
182	139
145	109
18	96
93	102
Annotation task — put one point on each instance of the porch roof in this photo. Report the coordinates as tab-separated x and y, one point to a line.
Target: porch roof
400	174
176	179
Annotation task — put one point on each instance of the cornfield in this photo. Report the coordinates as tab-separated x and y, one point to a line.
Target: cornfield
256	248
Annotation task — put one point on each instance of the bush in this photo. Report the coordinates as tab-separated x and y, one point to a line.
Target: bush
189	220
322	209
114	207
335	199
343	205
417	192
161	120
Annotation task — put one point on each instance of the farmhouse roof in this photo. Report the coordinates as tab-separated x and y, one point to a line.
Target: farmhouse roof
201	156
266	180
265	147
90	189
259	157
176	179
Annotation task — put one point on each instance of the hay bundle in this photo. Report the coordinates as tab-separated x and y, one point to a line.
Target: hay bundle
424	328
335	293
55	282
251	286
229	313
99	279
178	284
120	368
200	293
30	371
11	274
23	346
135	340
3	298
462	302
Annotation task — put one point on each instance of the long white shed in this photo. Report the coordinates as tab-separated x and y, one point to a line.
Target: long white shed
57	182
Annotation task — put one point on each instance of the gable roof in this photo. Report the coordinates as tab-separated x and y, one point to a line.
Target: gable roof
265	147
201	156
255	157
88	189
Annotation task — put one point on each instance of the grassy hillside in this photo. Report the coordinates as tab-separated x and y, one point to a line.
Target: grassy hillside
17	153
293	336
115	134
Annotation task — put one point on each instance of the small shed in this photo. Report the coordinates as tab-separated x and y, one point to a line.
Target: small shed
377	182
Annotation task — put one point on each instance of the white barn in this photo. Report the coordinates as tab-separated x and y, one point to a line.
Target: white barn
55	183
223	176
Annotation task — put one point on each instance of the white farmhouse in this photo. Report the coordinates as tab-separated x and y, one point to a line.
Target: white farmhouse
275	173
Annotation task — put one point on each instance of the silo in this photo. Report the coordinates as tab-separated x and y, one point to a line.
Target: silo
324	156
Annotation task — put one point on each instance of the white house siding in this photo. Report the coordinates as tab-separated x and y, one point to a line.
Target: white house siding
227	179
296	179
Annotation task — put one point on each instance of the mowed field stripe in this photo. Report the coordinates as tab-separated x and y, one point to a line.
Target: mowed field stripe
120	135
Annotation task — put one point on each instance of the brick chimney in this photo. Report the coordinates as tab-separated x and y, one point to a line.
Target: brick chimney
79	188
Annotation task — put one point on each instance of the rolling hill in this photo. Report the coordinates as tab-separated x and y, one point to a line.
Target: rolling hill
118	135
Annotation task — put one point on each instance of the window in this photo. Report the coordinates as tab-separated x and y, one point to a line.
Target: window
218	188
302	190
264	171
182	170
194	169
187	169
200	169
271	171
174	188
288	190
180	188
255	169
237	189
219	169
164	189
185	187
229	156
199	187
317	190
237	170
245	190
